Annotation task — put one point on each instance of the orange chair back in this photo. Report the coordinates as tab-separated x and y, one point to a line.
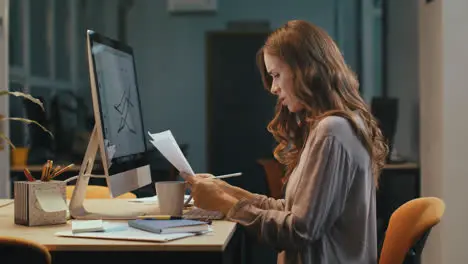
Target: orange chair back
407	225
274	173
17	250
98	192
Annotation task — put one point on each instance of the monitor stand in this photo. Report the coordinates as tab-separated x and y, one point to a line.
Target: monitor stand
121	209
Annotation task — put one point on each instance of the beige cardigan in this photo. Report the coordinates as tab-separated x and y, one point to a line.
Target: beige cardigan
328	214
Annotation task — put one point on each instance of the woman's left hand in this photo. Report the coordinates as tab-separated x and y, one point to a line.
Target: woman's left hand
208	195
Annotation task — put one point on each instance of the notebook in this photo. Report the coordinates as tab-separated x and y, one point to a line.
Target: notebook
170	226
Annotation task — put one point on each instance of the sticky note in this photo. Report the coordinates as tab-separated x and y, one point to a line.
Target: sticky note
51	200
82	226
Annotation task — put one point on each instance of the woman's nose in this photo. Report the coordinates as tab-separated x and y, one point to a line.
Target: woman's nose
275	89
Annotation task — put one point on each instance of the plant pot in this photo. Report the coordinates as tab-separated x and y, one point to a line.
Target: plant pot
19	156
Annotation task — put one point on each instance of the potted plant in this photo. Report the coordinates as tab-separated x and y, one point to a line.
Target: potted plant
20	152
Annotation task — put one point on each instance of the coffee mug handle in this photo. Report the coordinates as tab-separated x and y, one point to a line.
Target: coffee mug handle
186	203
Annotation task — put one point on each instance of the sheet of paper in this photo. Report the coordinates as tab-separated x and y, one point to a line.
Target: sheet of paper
152	199
121	231
5	203
110	150
167	145
51	200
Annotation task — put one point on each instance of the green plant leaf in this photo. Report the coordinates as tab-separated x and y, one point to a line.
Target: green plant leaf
26	96
29	121
4	137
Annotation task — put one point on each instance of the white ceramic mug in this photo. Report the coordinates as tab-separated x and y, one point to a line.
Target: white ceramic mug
170	197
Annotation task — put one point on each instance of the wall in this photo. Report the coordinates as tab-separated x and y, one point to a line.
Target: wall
431	91
109	17
444	124
170	55
402	70
455	151
4	154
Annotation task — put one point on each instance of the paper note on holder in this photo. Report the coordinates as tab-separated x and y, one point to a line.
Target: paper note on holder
50	200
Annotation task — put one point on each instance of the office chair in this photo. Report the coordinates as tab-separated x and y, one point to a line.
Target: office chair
17	250
274	172
409	228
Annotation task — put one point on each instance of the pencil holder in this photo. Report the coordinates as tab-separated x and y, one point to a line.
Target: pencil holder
40	203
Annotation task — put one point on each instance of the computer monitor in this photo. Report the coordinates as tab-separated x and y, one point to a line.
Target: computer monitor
118	132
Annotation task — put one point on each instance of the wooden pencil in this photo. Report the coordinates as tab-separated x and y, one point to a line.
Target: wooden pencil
28	175
44	167
64	169
49	171
55	171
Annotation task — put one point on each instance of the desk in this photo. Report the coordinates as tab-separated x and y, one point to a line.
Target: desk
399	183
220	246
402	166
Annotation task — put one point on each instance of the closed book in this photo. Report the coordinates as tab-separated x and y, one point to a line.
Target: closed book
169	226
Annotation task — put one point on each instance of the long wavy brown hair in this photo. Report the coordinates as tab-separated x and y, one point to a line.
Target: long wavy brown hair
325	85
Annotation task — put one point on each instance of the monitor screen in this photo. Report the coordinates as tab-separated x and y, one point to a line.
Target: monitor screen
119	104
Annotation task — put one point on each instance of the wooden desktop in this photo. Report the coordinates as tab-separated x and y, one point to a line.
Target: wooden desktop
220	246
398	184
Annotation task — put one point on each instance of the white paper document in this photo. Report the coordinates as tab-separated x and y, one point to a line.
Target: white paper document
152	199
111	149
167	145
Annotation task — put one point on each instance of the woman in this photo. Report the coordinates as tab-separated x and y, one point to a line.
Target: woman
331	147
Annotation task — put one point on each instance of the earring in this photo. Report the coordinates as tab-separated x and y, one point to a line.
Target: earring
298	119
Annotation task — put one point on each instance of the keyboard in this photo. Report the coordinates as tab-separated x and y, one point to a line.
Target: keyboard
201	214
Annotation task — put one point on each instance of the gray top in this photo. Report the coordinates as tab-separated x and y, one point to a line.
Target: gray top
328	214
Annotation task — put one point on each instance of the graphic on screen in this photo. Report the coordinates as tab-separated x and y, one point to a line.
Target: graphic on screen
123	108
118	95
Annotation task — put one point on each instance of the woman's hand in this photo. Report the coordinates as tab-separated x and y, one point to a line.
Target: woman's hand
208	193
234	191
209	177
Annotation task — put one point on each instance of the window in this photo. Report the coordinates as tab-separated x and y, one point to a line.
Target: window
372	48
41	43
16	36
62	41
43	50
378	47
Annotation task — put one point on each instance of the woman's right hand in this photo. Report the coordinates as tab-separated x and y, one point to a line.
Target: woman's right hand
226	187
234	191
